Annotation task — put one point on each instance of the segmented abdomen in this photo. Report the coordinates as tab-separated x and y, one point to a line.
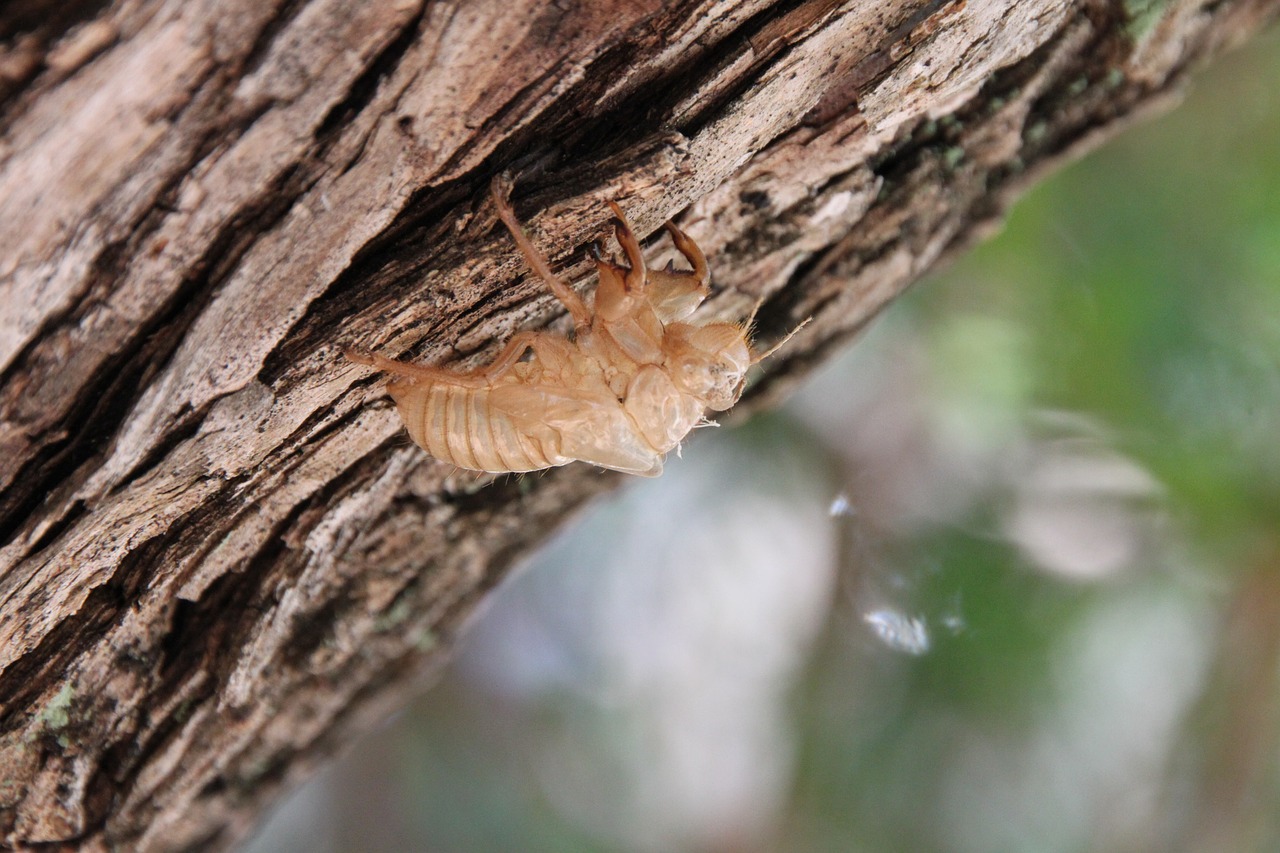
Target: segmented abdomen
459	425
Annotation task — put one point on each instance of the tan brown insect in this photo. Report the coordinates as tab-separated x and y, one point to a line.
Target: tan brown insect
629	386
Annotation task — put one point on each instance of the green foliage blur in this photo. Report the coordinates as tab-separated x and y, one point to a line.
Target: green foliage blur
1146	282
1139	288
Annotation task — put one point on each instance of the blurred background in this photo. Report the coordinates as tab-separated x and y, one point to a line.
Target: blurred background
1006	577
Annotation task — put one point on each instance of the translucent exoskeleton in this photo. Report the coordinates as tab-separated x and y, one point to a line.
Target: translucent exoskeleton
638	374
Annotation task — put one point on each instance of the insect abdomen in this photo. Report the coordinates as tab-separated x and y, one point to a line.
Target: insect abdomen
459	425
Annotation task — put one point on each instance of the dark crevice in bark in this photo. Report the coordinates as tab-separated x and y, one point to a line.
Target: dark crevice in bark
76	438
915	142
30	27
32	673
725	54
609	128
280	19
891	49
397	258
185	648
54	473
92	422
46	19
390	266
365	87
518	139
87	427
75	510
210	126
590	139
218	263
204	638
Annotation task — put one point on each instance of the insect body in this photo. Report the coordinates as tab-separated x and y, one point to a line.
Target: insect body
634	380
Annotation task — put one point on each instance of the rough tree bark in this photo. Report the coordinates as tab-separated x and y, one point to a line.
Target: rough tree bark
220	555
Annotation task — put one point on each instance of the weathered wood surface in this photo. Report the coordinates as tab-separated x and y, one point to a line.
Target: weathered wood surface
220	555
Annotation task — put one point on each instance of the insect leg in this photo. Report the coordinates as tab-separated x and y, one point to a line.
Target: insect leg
419	372
500	189
631	247
675	294
547	349
613	300
691	253
511	354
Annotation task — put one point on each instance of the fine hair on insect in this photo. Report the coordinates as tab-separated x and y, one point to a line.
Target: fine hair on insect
638	374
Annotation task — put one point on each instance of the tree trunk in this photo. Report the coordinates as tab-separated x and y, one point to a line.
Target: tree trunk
220	556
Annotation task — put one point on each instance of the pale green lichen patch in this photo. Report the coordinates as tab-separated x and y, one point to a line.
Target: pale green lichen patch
256	770
426	641
56	716
395	614
1143	15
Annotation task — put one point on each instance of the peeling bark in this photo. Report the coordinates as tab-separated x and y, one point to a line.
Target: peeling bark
220	557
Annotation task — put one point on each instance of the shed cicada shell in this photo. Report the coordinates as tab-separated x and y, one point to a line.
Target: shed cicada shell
638	373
